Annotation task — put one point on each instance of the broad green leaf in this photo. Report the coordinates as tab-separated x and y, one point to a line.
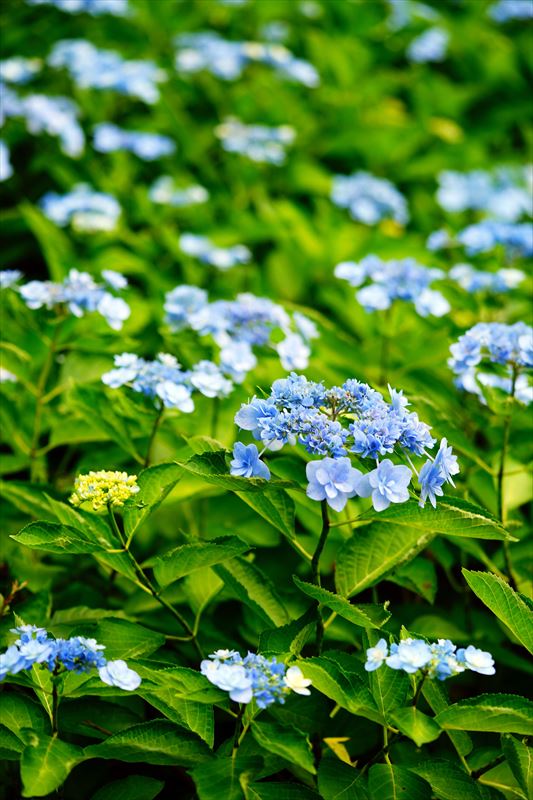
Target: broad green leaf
51	537
373	552
520	759
509	606
287	742
54	243
134	787
254	589
188	557
365	616
500	779
436	697
496	713
95	405
19	711
46	763
448	780
26	497
277	507
125	639
155	742
453	516
388	782
288	639
10	745
197	717
155	484
416	725
338	781
343	687
270	790
418	576
225	777
389	687
213	468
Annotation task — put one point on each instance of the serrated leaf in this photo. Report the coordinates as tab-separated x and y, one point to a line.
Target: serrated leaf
277	507
279	791
520	759
388	782
365	616
418	576
436	697
125	639
373	552
19	711
94	405
509	606
448	780
285	741
453	516
197	717
495	713
288	639
338	781
253	589
45	764
225	777
155	484
188	557
51	537
342	686
134	787
416	725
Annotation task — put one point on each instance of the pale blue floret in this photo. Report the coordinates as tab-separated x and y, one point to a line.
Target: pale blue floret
109	138
369	199
204	250
19	70
440	660
6	168
333	480
117	673
55	116
387	484
161	379
9	277
118	8
409	655
430	479
505	10
84	208
256	142
475	280
476	660
246	462
375	656
432	45
503	194
165	192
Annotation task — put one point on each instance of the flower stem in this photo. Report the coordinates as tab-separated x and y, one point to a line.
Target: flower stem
39	394
55	703
240	730
315	570
502	510
155	426
419	689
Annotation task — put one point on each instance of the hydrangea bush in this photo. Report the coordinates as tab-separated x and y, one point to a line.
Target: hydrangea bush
265	535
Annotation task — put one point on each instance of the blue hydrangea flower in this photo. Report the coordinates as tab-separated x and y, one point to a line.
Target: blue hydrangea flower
165	192
55	116
256	142
162	378
432	45
117	673
431	479
6	168
333	480
476	660
505	10
375	656
119	8
109	138
476	280
387	484
84	208
19	69
204	250
8	277
503	194
409	655
369	199
438	660
246	462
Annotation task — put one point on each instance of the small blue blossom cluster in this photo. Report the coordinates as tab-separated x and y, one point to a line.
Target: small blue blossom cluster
504	194
401	279
80	294
91	68
508	347
19	69
227	60
77	654
8	277
119	8
431	45
254	677
369	199
204	250
256	142
109	138
440	660
476	280
505	10
164	380
55	116
165	192
515	237
305	412
83	207
6	168
237	325
403	12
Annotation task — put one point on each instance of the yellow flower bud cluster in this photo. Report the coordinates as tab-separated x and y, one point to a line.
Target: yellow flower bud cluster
104	488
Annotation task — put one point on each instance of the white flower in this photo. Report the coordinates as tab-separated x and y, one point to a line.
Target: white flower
295	680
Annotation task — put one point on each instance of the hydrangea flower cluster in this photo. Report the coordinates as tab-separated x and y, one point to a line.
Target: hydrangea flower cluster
334	423
104	488
227	60
476	280
6	168
80	294
402	13
439	660
204	250
19	69
8	277
84	208
237	325
505	10
256	142
165	381
55	116
400	279
165	192
119	8
369	199
508	347
504	194
77	654
109	138
91	68
253	677
482	237
432	45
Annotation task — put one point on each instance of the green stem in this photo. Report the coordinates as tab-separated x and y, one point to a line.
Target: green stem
239	730
145	583
39	394
502	510
419	689
157	422
315	570
55	706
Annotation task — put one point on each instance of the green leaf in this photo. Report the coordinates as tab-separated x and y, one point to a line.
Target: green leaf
452	517
197	717
134	787
10	745
389	687
225	777
46	763
279	791
520	759
419	576
54	243
125	639
416	725
188	557
365	616
253	589
155	742
94	405
509	606
212	467
155	484
338	781
448	780
285	741
373	552
26	497
19	711
496	713
277	507
344	687
388	782
51	537
288	639
436	697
